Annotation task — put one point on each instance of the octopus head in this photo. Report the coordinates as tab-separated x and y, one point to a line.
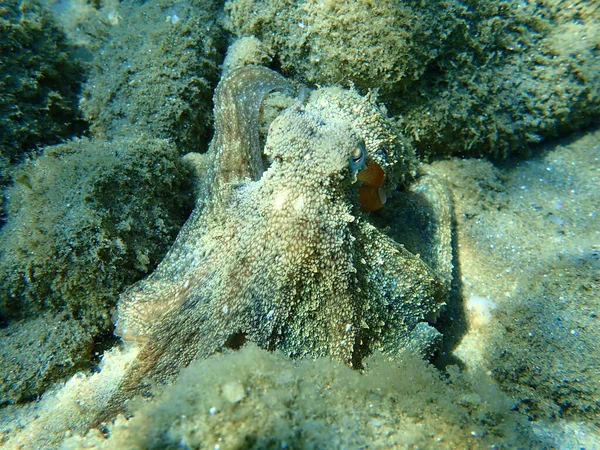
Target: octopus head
325	144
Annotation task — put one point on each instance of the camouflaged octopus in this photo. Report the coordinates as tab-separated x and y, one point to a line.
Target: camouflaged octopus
278	251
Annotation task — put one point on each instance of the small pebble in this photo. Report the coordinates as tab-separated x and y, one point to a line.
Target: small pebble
234	392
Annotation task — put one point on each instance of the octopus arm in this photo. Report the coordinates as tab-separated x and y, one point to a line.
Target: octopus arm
403	291
144	304
440	207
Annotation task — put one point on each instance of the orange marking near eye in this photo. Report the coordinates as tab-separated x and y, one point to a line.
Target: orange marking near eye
370	196
373	175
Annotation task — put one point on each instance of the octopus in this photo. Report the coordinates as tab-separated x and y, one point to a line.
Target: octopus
280	251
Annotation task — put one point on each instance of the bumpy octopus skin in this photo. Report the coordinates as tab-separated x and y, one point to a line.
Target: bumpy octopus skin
283	256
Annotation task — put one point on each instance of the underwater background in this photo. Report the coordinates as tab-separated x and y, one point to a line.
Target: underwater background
103	105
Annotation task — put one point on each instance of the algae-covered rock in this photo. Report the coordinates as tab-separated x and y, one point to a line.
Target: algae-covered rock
40	80
86	218
156	76
279	403
375	45
514	76
464	78
40	351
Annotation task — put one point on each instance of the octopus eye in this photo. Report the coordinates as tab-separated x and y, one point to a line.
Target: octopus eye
358	157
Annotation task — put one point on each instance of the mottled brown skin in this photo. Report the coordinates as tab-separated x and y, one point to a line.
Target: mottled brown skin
284	258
